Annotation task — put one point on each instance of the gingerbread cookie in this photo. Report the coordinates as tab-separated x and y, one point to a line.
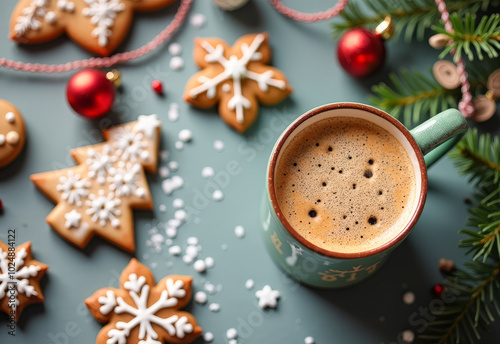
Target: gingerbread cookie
97	25
12	133
97	196
142	312
20	277
235	77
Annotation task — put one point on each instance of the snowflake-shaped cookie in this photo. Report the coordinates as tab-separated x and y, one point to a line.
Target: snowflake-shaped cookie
141	312
235	77
97	196
97	25
20	277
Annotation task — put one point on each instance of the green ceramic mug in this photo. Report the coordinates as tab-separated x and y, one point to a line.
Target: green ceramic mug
317	266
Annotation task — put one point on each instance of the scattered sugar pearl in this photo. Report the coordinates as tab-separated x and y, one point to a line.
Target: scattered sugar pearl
218	145
231	333
408	336
178	203
217	195
239	231
200	265
232	341
180	215
187	259
176	63
172	184
209	287
179	145
226	88
214	307
175	250
10	117
185	135
209	262
409	298
198	20
249	284
173	113
164	172
171	232
309	340
192	251
175	49
157	238
192	241
208	337
164	155
174	223
207	172
12	137
173	165
200	297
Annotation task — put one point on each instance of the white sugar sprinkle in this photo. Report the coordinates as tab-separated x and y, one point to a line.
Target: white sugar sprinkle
409	298
174	223
249	284
171	232
209	262
218	145
162	208
173	165
176	63
408	336
10	117
164	155
198	20
214	307
199	265
231	333
157	238
175	250
239	231
173	113
192	251
209	287
208	337
207	172
217	195
200	297
180	215
179	145
172	184
192	241
232	341
185	135
187	259
309	340
175	49
178	203
164	172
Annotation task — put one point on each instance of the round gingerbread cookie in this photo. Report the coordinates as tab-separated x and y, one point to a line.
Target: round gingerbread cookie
12	133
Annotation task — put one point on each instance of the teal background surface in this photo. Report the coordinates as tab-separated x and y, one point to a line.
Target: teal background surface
370	312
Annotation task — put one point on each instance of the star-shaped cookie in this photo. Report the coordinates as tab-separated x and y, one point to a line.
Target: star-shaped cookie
20	277
97	196
97	25
142	312
238	78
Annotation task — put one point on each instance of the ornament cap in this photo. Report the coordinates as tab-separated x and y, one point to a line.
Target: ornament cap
115	77
385	29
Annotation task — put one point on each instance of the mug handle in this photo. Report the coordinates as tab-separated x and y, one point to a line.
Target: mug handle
439	134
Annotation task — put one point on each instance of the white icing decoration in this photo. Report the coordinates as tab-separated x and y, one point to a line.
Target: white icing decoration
65	5
30	18
12	137
2	139
72	219
236	69
147	125
19	279
100	163
103	14
50	17
267	297
130	146
125	181
103	208
10	117
73	188
144	316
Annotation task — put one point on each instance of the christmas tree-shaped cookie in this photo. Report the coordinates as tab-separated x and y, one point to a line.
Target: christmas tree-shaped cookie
97	196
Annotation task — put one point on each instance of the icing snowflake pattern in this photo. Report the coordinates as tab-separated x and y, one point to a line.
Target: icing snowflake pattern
124	180
100	163
103	208
73	188
19	275
102	14
241	65
129	145
153	323
31	17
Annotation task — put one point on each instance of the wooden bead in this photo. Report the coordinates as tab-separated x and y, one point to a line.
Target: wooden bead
494	83
446	74
484	108
439	41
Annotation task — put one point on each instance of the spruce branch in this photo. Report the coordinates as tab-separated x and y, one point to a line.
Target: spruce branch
469	37
411	17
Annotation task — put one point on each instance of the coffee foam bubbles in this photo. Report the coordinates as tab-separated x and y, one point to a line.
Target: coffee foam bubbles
345	184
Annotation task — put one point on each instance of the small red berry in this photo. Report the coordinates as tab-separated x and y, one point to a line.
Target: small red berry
157	86
1	206
437	290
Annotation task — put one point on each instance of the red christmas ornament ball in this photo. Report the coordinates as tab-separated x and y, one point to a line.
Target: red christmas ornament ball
157	86
90	93
361	52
